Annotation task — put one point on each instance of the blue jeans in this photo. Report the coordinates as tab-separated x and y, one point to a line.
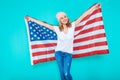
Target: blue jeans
64	60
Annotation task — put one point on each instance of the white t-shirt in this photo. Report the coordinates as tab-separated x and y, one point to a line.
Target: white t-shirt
65	41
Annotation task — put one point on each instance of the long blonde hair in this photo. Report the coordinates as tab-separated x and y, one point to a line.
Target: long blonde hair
61	25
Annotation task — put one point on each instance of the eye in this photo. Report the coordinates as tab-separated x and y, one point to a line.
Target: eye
64	16
61	17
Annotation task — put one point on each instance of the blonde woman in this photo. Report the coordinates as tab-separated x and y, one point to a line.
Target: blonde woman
65	36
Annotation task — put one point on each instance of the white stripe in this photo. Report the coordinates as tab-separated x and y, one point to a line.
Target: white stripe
43	42
90	34
95	9
91	49
96	16
75	52
89	42
27	27
90	18
89	26
43	49
43	56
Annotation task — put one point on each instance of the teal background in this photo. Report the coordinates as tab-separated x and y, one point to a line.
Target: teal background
14	51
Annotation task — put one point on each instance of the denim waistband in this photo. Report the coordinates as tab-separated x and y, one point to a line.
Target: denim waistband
64	52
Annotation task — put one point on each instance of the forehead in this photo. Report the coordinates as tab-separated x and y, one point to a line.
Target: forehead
62	16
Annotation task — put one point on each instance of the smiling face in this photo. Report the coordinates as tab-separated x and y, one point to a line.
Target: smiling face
63	19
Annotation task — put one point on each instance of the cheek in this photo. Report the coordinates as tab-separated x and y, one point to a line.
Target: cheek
65	20
62	21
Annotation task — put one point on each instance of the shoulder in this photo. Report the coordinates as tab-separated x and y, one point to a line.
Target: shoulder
73	24
56	28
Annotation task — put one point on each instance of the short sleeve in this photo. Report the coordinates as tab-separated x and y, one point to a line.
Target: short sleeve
56	28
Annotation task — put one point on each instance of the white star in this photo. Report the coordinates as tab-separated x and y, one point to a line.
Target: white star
32	38
35	35
50	31
43	37
38	37
36	27
32	24
31	33
48	35
30	27
29	22
44	32
34	30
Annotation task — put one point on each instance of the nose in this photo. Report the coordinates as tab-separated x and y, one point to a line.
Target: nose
64	20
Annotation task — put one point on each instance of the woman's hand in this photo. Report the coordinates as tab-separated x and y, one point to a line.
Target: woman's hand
86	13
95	6
28	18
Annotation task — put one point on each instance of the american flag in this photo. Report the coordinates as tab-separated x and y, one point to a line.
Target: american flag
89	38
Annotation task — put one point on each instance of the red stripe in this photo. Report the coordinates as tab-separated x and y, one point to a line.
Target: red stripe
76	40
88	23
90	45
94	12
43	60
75	48
89	38
74	56
94	20
43	45
91	53
94	28
43	52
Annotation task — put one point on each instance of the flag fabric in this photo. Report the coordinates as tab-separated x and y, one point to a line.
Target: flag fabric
89	38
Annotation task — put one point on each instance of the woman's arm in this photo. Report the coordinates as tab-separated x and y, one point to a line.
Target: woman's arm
86	13
39	22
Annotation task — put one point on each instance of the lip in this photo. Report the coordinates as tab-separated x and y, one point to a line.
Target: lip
64	20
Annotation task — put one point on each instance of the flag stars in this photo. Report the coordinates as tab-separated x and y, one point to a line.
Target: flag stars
34	30
50	31
32	38
44	33
33	25
30	27
54	34
35	35
31	33
44	28
43	37
38	37
48	35
29	22
38	32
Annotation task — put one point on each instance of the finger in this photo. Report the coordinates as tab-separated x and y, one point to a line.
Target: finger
27	18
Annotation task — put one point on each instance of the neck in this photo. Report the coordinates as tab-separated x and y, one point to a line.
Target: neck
64	26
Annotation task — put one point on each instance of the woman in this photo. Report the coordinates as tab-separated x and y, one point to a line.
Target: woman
65	34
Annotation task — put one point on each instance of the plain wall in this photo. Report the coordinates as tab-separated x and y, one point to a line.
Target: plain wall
14	51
